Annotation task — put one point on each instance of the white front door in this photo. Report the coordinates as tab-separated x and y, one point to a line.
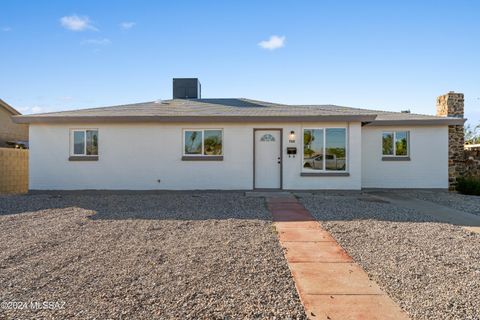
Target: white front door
268	162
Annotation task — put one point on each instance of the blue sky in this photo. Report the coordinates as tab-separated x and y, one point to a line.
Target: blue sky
372	54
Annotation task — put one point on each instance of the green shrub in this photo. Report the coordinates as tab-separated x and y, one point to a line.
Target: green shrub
469	185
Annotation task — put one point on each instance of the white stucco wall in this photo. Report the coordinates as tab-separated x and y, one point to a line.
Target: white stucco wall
135	156
428	167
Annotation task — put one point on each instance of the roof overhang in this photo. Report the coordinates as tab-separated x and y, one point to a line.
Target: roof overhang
418	122
9	108
177	119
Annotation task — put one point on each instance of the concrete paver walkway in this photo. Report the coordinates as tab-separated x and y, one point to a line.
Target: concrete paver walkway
330	284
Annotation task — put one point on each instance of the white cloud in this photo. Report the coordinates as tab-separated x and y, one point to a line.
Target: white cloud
37	109
127	25
76	23
97	42
30	110
23	110
275	42
6	29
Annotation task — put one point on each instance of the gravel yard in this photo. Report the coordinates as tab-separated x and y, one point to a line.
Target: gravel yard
462	202
431	269
161	255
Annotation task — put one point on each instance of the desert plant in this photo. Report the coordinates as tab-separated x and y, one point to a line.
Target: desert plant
472	134
469	185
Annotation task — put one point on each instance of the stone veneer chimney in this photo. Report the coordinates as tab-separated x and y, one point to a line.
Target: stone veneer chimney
451	105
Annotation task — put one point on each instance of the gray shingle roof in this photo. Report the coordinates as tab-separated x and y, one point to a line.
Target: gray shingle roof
228	110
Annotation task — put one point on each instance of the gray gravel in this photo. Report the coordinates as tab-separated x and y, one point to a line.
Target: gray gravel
163	256
431	269
462	202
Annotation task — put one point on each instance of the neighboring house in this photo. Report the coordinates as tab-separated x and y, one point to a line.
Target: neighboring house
11	134
239	144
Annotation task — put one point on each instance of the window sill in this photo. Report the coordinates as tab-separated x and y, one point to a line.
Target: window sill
395	158
83	158
324	174
202	158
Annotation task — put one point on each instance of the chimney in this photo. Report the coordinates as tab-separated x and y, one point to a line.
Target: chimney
452	105
186	88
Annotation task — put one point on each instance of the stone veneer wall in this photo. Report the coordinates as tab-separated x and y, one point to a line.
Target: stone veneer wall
13	170
472	163
452	105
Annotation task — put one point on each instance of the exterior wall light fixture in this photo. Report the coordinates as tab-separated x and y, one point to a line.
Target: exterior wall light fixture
291	137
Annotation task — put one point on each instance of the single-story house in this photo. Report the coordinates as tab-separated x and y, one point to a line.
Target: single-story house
11	134
188	143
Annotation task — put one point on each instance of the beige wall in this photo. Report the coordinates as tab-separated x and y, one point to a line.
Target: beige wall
13	170
10	131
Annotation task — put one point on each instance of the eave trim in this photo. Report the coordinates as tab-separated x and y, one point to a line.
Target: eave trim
417	122
177	119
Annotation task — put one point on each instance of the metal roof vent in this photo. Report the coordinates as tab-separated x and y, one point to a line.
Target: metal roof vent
186	88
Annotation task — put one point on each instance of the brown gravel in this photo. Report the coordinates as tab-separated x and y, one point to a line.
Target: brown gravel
122	256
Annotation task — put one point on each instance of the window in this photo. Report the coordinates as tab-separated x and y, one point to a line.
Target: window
325	149
395	144
84	142
335	149
203	142
267	137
